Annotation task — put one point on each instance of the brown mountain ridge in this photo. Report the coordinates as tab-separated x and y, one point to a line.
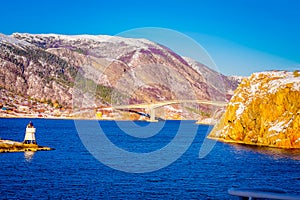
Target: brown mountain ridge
45	68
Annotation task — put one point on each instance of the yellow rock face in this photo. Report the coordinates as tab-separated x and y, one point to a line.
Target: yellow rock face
265	111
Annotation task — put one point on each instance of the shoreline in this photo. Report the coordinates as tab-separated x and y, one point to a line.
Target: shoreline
94	119
249	143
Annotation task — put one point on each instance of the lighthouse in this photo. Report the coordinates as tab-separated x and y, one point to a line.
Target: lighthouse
30	134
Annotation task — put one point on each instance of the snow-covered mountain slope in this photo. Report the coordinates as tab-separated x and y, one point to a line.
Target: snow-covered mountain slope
4	39
265	110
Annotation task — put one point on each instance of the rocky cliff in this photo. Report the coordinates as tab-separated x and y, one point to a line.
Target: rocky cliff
265	110
45	67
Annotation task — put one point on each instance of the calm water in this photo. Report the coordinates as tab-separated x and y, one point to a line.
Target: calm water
71	172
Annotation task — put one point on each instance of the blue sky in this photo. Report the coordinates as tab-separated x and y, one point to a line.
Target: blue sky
242	36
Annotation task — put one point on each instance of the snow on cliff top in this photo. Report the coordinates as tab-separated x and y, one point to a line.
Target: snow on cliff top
271	81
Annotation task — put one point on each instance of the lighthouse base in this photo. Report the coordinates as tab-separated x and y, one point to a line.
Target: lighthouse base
29	142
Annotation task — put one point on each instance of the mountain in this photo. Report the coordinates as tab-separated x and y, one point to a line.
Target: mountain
216	80
114	70
264	111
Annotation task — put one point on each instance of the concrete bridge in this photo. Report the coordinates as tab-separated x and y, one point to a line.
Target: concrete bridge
152	106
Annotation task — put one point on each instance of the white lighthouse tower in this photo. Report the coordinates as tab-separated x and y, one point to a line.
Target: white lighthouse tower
30	134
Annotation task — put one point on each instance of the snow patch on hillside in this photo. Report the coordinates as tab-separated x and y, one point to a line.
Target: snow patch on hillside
280	126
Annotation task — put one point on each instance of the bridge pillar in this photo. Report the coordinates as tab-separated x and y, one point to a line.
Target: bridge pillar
152	115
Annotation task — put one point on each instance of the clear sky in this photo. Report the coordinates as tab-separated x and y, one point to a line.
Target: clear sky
242	36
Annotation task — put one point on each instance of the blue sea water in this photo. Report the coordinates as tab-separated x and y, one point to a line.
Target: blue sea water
72	172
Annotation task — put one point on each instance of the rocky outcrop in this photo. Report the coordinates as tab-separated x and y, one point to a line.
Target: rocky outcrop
13	146
265	110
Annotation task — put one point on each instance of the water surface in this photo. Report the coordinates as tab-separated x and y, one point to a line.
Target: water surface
71	172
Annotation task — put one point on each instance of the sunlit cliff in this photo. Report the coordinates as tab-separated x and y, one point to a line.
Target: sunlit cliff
265	111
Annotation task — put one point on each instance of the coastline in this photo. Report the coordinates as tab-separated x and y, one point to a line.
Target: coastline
95	119
248	143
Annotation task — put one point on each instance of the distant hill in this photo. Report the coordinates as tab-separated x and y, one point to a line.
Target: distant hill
125	70
264	111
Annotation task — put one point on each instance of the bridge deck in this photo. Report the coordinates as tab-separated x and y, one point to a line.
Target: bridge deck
165	103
